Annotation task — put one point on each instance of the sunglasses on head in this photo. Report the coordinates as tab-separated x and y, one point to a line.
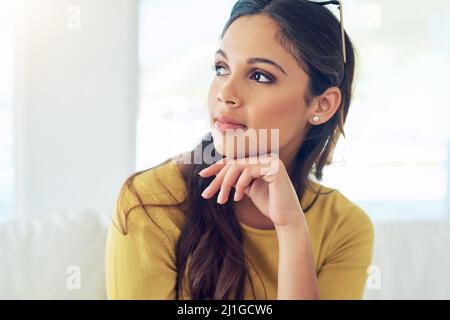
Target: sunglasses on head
339	4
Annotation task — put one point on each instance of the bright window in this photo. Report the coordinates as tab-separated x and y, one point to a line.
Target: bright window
394	161
6	107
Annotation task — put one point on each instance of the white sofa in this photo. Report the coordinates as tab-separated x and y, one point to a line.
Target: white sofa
413	259
61	256
41	257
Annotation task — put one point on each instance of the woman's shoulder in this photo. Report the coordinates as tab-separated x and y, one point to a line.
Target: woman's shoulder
335	208
338	226
162	184
157	192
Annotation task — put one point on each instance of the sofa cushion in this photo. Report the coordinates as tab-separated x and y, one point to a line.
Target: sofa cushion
56	256
412	259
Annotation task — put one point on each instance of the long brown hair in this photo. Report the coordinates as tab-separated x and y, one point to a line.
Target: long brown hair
210	260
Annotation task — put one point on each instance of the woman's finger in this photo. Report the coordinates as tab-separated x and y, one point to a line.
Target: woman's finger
242	184
229	180
213	169
215	184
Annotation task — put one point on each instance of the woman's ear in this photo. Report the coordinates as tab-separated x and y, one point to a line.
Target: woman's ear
325	106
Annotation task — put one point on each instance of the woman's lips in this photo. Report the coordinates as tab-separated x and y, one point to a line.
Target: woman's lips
223	126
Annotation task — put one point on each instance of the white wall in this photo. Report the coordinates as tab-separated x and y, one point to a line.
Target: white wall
75	103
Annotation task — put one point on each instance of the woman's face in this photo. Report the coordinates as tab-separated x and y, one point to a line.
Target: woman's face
259	94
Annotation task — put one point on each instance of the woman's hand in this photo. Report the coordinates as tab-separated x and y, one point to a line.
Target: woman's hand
263	179
266	182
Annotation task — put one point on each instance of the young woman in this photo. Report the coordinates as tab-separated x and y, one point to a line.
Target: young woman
260	230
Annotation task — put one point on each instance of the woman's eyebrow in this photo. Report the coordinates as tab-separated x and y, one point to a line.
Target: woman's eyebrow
255	60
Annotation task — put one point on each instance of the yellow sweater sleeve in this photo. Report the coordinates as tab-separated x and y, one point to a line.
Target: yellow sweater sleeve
140	264
344	272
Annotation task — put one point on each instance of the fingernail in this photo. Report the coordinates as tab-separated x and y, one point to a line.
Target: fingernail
219	197
205	192
236	196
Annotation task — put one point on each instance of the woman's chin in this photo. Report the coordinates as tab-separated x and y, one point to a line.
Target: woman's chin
233	153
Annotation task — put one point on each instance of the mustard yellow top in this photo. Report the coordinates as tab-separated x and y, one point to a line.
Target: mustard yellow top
141	263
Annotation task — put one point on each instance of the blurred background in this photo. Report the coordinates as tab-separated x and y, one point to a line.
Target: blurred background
94	90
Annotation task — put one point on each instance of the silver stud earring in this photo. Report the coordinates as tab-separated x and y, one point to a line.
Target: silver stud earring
316	118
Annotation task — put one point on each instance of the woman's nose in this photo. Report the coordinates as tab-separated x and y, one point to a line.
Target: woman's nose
228	95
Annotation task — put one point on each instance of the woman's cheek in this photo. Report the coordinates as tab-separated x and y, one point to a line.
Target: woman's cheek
283	118
269	117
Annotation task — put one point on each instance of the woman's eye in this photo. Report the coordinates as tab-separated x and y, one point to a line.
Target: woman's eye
264	76
218	67
259	76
